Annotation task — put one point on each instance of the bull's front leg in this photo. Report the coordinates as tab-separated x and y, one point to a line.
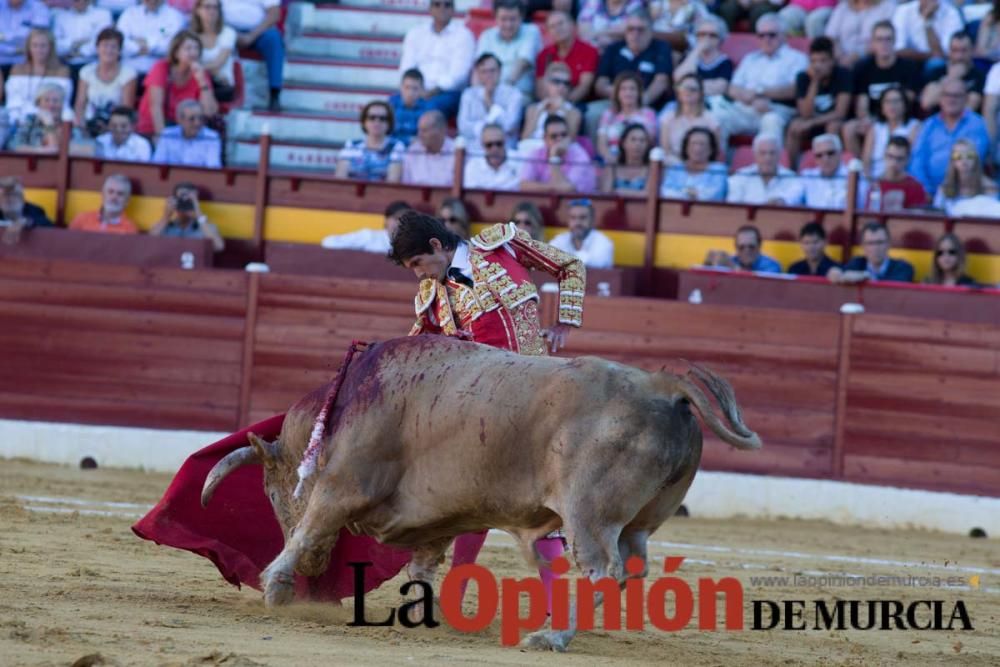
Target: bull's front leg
423	567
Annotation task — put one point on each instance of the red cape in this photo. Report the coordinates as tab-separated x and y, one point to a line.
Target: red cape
239	532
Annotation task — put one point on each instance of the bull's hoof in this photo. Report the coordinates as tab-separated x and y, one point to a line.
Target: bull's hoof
279	591
313	565
545	641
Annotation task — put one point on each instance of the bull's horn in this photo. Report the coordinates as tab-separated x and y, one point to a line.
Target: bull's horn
236	459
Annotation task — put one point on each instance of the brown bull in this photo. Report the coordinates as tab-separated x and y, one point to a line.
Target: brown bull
434	437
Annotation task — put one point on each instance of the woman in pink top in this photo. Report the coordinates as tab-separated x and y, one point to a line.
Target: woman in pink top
178	77
626	101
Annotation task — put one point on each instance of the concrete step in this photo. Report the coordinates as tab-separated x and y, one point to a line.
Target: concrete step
307	129
333	103
339	20
357	48
341	74
289	157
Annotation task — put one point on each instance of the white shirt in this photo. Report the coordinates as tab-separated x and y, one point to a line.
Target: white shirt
101	94
443	58
596	252
760	70
70	26
525	46
115	6
992	86
224	40
135	148
479	174
460	260
747	187
369	240
245	15
20	91
827	191
157	28
909	24
505	111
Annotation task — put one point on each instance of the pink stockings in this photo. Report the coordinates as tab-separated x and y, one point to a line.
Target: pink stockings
467	547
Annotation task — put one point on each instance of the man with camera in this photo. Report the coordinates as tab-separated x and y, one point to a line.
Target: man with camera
182	218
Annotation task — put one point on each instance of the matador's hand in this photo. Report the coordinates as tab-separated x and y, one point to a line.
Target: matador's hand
557	337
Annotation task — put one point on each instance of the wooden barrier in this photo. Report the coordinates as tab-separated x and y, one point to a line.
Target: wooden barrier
135	250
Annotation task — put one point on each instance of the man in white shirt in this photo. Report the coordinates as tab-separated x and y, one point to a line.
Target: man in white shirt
148	28
763	85
825	185
991	105
370	240
442	49
430	160
766	181
590	246
75	30
255	22
492	170
121	142
490	101
189	143
923	28
515	43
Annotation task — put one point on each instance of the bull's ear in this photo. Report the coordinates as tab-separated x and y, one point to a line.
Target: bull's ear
262	448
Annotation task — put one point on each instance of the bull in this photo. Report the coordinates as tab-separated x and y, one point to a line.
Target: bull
433	437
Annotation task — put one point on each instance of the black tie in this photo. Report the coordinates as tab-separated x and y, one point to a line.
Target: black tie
459	277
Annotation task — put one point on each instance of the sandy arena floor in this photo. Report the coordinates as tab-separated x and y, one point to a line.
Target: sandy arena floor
74	581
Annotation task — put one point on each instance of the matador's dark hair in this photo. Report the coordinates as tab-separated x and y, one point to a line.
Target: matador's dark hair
414	233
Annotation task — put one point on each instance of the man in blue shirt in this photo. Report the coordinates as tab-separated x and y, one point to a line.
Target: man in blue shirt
408	105
638	52
932	150
189	143
17	18
748	256
876	263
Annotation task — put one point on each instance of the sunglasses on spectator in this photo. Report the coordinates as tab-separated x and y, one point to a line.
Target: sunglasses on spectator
493	144
557	135
442	3
767	35
635	28
959	156
895	156
580	202
561	82
690	89
747	246
192	117
449	218
953	95
707	33
378	117
946	251
825	153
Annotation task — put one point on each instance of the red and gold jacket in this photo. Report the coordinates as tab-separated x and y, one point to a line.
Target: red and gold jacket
501	306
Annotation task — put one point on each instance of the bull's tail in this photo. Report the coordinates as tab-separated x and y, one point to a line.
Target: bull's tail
736	432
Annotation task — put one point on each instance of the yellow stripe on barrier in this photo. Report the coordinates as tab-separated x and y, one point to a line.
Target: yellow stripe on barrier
44	198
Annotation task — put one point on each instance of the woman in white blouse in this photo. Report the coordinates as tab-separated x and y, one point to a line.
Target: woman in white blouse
218	46
105	84
41	66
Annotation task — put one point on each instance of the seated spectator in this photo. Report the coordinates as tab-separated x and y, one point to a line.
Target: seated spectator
121	142
639	52
988	35
218	47
455	217
964	179
370	240
602	22
630	172
763	86
492	170
923	28
851	26
875	264
748	256
110	218
408	105
807	17
625	110
674	21
872	75
705	59
765	181
17	19
376	157
104	85
149	28
590	246
735	11
690	112
558	166
697	177
443	50
514	44
954	121
189	143
555	101
825	184
812	238
960	66
75	28
528	219
430	160
17	214
579	56
896	190
893	121
41	130
256	26
182	218
949	263
177	78
489	101
823	97
991	106
41	67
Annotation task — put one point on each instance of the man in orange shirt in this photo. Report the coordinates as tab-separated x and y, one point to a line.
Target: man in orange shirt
110	218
